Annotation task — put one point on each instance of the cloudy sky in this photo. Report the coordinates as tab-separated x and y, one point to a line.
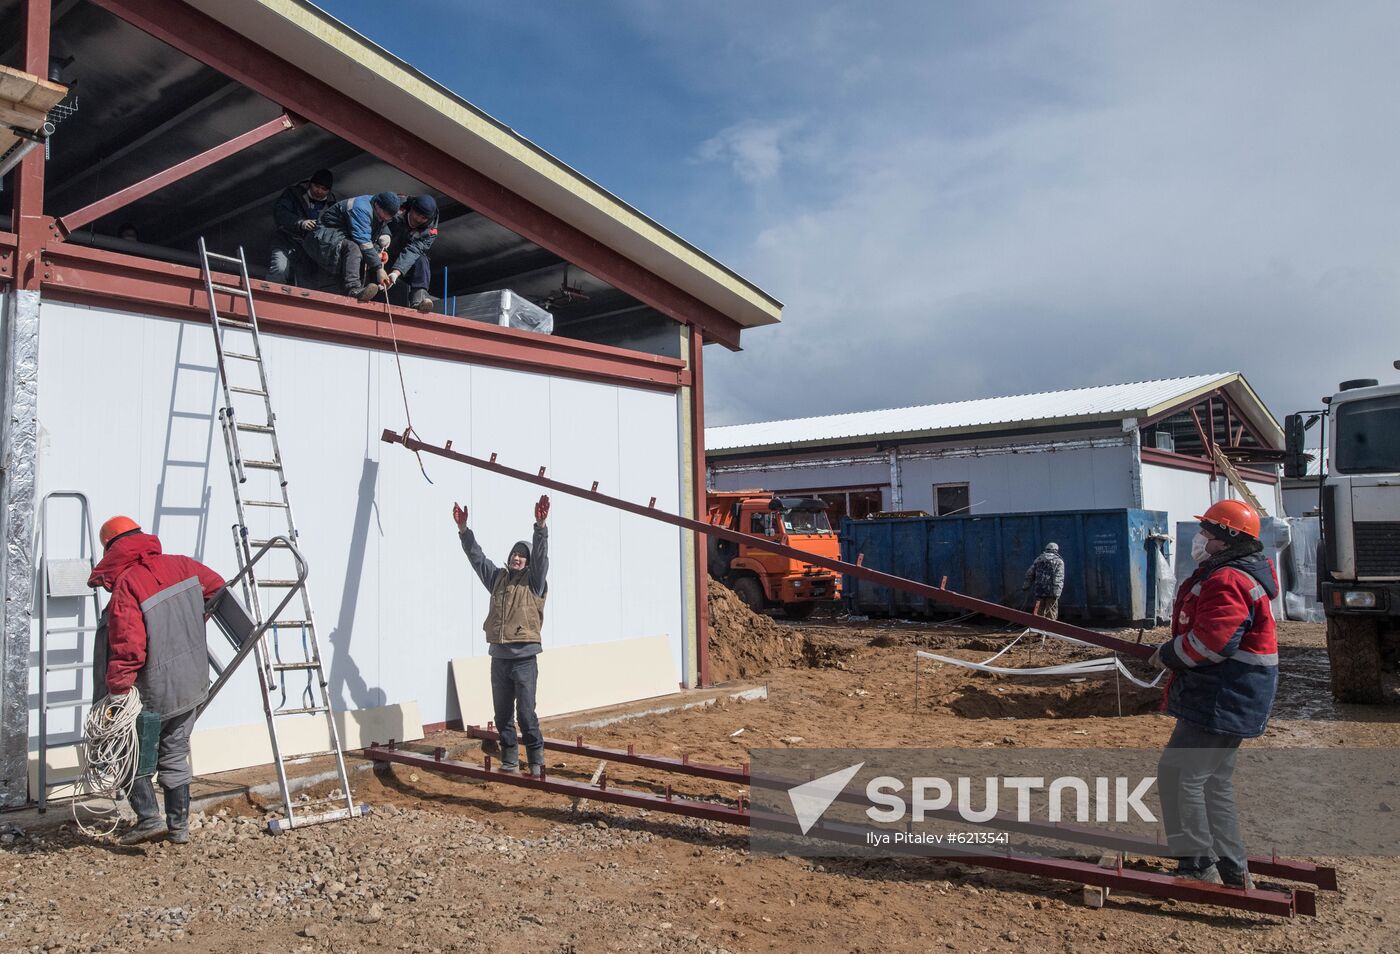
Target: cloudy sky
962	200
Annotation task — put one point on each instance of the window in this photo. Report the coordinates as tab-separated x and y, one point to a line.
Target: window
806	521
761	523
1368	436
951	499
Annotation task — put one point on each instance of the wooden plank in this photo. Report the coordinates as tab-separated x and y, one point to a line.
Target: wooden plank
25	99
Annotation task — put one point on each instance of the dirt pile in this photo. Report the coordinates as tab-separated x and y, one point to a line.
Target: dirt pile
744	644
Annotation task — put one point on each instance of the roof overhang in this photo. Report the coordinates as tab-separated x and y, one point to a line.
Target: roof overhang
549	195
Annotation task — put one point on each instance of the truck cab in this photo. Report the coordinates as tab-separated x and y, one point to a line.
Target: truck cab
764	579
1359	559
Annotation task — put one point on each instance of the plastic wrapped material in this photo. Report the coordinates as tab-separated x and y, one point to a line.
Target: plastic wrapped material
1166	585
1300	600
507	309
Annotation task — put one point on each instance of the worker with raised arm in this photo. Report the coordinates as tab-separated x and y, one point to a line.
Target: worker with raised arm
513	622
1223	659
155	643
1046	581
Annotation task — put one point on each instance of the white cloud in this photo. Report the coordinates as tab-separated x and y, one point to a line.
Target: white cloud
754	150
1141	192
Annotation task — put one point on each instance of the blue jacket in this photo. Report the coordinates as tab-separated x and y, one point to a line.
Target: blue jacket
1224	651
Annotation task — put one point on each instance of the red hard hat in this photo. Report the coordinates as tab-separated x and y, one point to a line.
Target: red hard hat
1234	515
114	528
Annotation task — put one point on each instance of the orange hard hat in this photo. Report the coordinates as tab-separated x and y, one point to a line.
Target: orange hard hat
1234	515
114	528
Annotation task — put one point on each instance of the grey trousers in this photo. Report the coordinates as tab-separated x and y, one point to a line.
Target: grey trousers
282	265
173	753
1195	777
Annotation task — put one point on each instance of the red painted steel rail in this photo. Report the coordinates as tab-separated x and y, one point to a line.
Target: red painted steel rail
1270	865
947	597
1285	903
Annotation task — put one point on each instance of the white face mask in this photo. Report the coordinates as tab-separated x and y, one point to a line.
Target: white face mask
1198	546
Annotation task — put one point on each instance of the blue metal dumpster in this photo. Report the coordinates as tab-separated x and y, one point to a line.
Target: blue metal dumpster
1108	558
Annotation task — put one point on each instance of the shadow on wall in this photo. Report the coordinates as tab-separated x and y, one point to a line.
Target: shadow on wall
345	677
187	425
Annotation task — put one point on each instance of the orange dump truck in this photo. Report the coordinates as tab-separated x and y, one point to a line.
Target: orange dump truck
760	577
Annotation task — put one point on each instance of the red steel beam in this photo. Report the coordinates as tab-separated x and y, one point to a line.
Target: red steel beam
702	550
73	221
1273	866
74	272
1153	884
948	597
28	208
200	36
1151	455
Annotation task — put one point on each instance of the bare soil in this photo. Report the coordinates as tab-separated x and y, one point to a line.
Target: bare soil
448	865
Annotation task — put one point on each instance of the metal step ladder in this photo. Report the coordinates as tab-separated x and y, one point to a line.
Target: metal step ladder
63	579
250	438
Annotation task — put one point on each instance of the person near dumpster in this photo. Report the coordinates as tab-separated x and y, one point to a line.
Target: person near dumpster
294	215
155	644
348	239
411	234
1223	660
513	622
1046	580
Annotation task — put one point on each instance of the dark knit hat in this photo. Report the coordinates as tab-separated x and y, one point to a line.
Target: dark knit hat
323	178
388	201
424	205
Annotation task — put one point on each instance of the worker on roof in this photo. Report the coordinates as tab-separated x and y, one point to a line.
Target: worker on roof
155	644
512	626
1223	659
294	216
348	239
411	234
1046	580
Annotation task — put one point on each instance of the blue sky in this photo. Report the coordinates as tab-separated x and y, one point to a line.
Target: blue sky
960	200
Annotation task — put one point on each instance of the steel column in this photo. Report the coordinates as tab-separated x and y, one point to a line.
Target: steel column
947	597
702	550
117	200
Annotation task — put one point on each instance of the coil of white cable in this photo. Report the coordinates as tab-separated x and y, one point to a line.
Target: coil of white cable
111	751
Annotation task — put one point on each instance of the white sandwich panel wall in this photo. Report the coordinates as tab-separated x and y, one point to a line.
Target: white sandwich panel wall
127	406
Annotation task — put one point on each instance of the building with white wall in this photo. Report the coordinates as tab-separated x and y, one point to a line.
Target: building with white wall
1143	445
195	116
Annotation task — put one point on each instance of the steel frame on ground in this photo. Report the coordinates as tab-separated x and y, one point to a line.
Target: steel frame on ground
1285	902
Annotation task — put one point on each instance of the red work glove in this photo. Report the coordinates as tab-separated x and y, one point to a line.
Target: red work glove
459	516
542	509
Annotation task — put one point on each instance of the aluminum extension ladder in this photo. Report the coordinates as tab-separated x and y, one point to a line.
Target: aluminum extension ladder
62	579
236	342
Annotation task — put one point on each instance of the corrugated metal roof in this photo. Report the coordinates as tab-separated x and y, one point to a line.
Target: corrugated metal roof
1023	410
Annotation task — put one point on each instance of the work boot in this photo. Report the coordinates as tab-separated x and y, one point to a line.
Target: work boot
149	825
1209	874
536	769
510	758
1233	875
420	300
177	813
366	293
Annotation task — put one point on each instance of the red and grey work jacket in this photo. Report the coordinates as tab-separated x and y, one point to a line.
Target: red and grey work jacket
1224	649
155	623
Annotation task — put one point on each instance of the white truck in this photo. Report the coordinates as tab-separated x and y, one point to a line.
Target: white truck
1359	559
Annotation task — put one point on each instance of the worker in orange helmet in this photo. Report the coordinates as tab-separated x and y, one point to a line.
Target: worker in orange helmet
154	628
1223	659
